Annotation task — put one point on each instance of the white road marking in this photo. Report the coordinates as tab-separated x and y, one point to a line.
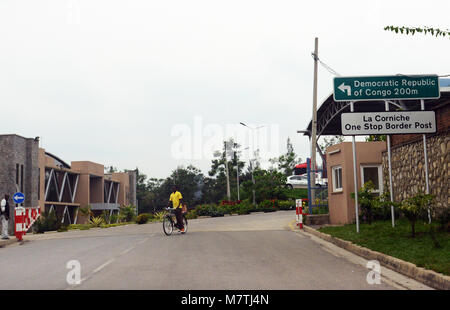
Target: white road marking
104	265
127	250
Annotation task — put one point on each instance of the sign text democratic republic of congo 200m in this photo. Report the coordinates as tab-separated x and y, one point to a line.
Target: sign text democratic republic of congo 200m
391	123
386	87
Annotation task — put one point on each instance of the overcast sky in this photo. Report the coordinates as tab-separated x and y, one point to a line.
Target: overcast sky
134	83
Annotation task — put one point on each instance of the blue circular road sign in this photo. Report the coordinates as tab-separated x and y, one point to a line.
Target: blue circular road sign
18	197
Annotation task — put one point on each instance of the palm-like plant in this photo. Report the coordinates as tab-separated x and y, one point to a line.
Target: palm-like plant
96	221
159	216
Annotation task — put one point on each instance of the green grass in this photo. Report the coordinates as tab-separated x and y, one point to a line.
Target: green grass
88	226
397	242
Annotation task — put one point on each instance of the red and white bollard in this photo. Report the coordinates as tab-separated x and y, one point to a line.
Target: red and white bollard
19	220
299	212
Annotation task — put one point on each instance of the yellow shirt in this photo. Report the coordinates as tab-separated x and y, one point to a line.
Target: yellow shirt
175	198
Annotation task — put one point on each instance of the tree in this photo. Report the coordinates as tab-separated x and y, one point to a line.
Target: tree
416	208
110	169
227	157
412	30
143	195
376	138
327	142
268	185
188	180
286	162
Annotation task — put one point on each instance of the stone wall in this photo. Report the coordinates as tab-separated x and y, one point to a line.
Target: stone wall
408	171
14	150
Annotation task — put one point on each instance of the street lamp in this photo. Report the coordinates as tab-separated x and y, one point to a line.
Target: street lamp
250	160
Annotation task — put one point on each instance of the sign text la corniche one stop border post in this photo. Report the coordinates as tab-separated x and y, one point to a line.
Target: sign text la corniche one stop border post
380	123
386	87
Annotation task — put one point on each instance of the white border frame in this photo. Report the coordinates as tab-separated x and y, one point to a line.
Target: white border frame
333	179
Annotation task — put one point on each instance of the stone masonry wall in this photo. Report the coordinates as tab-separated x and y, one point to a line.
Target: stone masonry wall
408	171
14	150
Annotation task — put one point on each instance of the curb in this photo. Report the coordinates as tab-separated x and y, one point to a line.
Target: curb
427	277
4	243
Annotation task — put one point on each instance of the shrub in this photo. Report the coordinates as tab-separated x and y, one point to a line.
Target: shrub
142	218
86	211
78	226
159	216
224	209
244	207
191	215
114	218
443	217
268	206
286	204
209	210
96	221
46	222
372	206
127	213
63	228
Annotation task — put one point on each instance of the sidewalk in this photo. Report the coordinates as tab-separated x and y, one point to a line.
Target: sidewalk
425	276
11	240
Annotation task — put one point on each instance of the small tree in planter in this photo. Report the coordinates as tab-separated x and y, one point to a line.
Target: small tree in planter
368	201
416	208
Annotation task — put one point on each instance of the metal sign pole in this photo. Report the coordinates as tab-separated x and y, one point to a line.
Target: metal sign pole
355	179
390	170
422	107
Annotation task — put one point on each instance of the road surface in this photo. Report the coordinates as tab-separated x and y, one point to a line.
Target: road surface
256	251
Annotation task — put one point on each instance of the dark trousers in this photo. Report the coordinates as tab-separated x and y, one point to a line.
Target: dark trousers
179	216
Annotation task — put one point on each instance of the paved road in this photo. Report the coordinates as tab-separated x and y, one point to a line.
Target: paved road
257	251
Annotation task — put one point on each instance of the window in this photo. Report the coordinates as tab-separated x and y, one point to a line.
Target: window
337	178
372	173
21	178
17	174
39	184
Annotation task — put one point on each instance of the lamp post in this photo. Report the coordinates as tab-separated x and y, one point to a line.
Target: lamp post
237	171
250	160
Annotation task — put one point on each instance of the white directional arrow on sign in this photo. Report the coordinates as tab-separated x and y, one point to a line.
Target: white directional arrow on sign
344	88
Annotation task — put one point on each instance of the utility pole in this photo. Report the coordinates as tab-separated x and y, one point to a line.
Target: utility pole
227	174
237	174
254	155
314	121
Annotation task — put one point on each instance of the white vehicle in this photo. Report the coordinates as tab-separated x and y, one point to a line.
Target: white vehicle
297	181
301	181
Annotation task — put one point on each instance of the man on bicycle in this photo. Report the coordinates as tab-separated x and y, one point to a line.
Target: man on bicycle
175	198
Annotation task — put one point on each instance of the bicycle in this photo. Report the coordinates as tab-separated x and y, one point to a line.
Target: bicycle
170	220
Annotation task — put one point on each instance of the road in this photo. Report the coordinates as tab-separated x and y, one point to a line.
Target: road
256	251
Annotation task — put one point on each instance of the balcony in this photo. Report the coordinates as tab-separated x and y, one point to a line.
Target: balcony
105	206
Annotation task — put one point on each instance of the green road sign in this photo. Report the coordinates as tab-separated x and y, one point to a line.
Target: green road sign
386	87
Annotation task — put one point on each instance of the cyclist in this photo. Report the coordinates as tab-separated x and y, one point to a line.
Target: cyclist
175	198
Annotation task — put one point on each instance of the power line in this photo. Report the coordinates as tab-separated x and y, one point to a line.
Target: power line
334	72
327	67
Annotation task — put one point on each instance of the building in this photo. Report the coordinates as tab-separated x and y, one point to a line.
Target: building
408	160
407	155
52	184
341	180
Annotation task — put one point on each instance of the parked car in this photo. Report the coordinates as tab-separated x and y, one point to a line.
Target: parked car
301	181
297	181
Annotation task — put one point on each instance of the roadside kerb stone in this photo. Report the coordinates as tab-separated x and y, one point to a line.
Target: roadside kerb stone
427	277
8	242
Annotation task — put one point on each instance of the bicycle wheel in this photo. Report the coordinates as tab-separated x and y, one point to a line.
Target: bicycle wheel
185	222
167	225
